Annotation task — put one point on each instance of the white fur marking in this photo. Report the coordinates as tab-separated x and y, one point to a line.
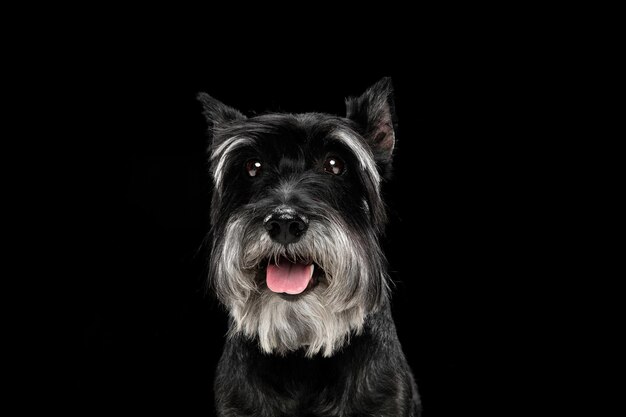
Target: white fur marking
222	151
362	153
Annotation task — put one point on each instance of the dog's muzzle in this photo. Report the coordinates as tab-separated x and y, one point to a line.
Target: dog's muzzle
284	225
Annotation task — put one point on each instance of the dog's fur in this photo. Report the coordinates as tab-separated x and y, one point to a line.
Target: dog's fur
331	350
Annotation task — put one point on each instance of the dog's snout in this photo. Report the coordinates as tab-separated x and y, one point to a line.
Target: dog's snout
285	226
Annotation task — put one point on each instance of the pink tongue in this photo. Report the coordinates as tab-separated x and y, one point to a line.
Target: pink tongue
288	277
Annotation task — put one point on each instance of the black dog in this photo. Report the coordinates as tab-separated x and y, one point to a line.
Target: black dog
296	216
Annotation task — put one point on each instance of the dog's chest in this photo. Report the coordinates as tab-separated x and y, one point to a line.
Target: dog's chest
297	386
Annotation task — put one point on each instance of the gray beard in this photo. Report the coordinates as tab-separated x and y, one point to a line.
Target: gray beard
320	320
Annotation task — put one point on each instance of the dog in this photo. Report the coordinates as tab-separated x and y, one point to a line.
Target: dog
296	217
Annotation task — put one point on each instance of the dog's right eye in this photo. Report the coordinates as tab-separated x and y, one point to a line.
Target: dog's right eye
253	167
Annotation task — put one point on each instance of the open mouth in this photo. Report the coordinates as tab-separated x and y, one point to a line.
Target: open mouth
289	278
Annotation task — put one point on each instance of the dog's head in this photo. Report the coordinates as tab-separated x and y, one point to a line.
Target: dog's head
296	215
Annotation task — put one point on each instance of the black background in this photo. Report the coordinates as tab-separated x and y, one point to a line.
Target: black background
148	336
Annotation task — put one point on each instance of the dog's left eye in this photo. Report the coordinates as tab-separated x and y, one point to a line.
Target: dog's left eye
253	167
334	165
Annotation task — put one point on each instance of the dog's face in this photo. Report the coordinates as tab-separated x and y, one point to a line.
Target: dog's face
296	215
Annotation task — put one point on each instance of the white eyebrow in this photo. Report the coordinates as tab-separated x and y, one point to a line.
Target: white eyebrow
222	153
362	153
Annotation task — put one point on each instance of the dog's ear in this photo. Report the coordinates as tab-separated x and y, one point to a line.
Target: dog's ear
374	112
218	113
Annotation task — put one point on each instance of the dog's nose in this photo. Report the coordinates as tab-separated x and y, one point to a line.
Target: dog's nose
285	226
